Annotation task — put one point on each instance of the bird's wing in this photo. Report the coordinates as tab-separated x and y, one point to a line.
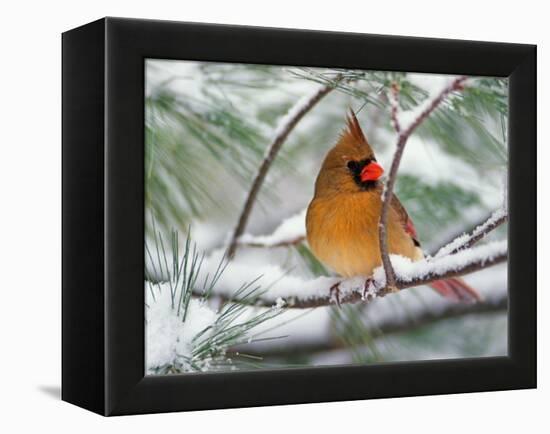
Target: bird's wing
406	221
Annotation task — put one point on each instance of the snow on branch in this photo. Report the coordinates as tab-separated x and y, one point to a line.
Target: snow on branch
289	233
404	131
285	126
467	240
294	292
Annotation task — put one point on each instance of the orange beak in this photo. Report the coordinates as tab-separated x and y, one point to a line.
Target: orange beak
371	172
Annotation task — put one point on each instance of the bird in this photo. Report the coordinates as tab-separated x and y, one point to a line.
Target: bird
343	216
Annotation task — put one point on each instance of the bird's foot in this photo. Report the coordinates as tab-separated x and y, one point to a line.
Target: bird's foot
367	295
335	293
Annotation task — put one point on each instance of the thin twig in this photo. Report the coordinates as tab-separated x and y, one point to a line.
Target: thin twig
272	150
449	238
394	105
387	195
478	233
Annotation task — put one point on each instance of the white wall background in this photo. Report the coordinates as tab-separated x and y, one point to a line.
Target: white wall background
30	189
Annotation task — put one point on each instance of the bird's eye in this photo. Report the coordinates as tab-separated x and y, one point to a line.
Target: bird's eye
353	165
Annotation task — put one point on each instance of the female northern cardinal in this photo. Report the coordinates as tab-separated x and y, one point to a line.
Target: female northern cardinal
342	219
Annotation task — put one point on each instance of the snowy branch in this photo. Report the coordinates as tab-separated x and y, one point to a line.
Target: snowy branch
404	133
293	293
286	125
289	233
244	242
468	240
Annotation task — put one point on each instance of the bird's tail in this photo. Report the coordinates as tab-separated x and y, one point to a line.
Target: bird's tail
456	289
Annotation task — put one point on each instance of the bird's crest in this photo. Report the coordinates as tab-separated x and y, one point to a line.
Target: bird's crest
352	136
352	148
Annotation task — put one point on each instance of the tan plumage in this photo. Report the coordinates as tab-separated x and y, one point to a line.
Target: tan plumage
342	218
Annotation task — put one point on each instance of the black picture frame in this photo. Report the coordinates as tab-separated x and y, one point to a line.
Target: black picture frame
103	215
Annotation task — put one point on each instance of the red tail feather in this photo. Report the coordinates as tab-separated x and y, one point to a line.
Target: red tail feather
456	289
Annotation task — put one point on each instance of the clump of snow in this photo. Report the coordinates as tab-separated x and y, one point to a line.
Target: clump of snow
280	303
290	230
168	338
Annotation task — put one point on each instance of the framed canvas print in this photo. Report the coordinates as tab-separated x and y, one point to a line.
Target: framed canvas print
262	216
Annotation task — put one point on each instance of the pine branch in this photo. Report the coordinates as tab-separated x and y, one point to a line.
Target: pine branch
284	129
169	303
459	264
387	195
